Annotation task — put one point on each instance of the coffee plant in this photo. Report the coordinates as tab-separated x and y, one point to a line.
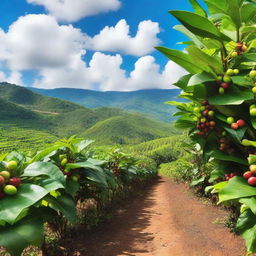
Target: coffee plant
48	187
220	89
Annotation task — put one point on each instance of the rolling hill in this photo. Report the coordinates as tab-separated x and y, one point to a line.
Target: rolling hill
147	102
25	112
111	130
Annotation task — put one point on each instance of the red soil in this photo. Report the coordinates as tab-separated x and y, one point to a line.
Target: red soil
166	220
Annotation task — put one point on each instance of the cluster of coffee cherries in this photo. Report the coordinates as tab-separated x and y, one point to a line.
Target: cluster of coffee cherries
224	81
229	176
116	172
72	174
240	49
206	121
235	125
253	110
251	175
225	144
8	183
252	78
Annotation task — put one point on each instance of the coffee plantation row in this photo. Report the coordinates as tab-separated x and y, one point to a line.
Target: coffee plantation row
48	186
220	89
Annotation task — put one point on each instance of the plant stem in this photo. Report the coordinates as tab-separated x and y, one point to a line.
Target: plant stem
224	55
238	34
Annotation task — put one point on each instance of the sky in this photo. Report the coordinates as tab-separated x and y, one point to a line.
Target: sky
90	44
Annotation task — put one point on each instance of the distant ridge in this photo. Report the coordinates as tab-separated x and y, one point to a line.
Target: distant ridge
149	102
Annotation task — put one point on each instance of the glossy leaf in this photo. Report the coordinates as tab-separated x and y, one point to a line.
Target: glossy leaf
250	202
201	78
247	228
237	188
183	81
21	235
198	25
181	58
12	206
197	41
198	8
64	204
222	156
216	6
234	97
202	58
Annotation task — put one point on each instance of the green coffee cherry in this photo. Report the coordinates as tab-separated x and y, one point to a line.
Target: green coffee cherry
252	74
221	90
226	79
230	72
230	120
253	112
236	71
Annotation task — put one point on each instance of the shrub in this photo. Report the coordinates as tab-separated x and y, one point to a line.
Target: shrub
221	86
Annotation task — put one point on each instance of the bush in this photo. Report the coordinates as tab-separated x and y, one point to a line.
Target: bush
221	87
54	186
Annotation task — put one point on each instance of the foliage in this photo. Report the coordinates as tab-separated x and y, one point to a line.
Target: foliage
188	167
61	118
127	129
161	150
56	184
18	136
221	86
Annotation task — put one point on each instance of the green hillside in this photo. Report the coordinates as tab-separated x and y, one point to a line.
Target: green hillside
18	136
28	99
128	129
161	150
32	115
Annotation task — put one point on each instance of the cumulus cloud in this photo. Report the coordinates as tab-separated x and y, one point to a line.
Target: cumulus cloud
146	73
118	38
37	41
74	10
56	52
106	72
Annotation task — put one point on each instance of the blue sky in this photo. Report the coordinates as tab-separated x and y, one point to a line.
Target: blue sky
24	65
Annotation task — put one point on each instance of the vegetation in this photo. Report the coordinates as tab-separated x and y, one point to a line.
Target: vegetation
148	102
220	85
18	136
59	118
54	186
162	150
127	129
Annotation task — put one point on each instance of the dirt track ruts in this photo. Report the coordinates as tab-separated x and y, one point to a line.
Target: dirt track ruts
166	220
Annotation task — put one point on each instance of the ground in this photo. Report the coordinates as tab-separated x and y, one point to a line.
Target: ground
165	220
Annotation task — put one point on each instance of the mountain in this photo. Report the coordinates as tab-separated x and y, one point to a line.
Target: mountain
147	102
31	113
136	127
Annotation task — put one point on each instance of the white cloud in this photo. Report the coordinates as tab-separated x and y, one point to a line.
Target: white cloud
146	73
106	72
74	10
37	41
118	38
56	52
14	78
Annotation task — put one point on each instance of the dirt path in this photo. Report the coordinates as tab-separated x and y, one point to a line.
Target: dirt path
167	220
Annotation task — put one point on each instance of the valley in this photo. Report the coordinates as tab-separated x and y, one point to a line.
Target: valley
30	119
